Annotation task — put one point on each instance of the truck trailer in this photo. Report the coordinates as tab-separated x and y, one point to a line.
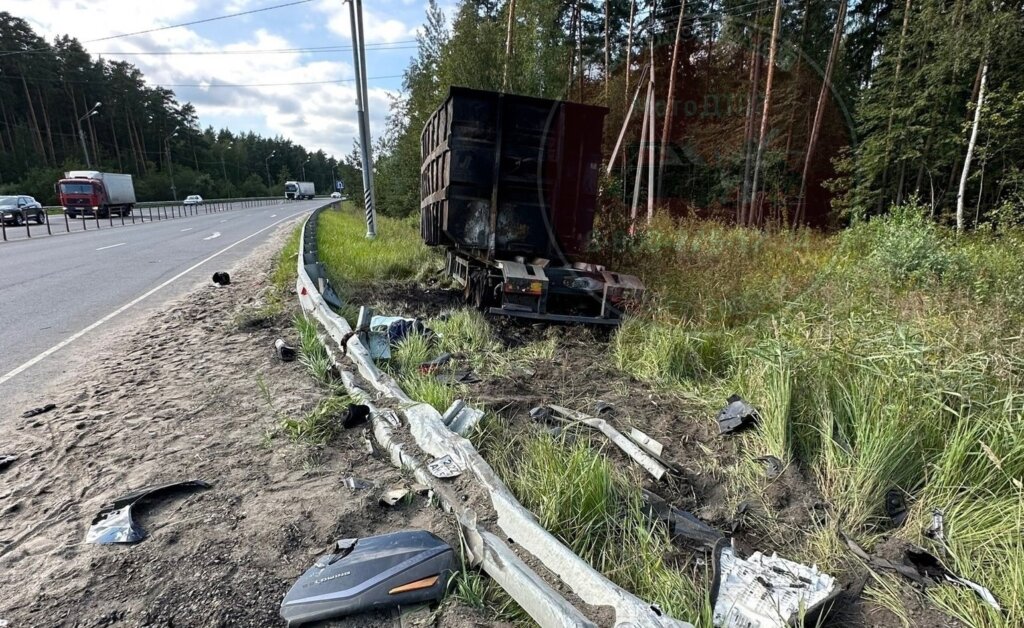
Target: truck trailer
509	186
297	190
88	192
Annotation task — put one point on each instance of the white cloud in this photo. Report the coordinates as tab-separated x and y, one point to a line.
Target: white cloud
377	29
317	116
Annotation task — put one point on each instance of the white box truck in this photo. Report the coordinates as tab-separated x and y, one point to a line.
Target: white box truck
83	192
297	190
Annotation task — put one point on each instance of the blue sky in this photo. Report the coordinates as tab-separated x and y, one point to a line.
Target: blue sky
318	116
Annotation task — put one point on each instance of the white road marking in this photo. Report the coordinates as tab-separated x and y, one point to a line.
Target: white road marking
215	234
78	334
111	246
187	229
273	215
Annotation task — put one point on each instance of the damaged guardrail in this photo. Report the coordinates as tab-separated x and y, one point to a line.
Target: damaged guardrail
516	523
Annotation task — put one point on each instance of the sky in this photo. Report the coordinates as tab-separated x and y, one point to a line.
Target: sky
317	116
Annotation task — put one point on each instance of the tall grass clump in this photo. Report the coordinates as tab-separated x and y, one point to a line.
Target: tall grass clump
671	352
312	353
355	262
320	425
599	515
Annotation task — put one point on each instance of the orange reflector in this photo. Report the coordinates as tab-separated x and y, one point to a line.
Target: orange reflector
536	288
425	583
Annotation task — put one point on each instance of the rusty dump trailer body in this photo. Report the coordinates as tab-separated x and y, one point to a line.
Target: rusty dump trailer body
508	184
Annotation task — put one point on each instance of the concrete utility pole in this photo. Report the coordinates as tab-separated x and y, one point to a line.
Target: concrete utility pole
304	169
81	136
266	164
170	162
359	62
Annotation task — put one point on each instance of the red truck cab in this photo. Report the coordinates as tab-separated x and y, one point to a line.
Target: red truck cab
87	192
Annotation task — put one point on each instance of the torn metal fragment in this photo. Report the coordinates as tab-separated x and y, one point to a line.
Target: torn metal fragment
934	530
737	415
393	496
114	523
445	467
768	591
397	569
650	445
27	414
357	484
602	408
540	413
467	419
683	526
7	460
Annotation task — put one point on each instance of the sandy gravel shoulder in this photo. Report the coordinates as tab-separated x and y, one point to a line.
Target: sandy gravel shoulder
179	399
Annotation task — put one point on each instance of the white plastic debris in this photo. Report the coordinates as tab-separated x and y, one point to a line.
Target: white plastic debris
445	467
768	592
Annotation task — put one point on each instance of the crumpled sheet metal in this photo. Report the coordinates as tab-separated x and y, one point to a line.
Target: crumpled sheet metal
768	591
114	523
435	439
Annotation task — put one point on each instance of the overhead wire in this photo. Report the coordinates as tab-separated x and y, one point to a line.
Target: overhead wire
206	84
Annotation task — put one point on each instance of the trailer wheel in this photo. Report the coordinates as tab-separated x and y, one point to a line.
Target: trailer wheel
477	293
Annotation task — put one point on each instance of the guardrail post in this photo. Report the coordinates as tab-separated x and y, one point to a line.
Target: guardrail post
3	227
122	216
67	225
97	215
28	230
110	218
47	216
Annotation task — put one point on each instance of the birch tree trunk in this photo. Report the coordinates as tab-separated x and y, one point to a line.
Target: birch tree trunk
629	47
607	58
508	44
970	149
763	133
666	127
819	111
748	128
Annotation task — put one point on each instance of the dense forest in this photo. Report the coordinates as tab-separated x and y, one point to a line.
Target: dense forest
765	112
47	89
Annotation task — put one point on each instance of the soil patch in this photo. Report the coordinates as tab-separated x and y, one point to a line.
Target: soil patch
180	399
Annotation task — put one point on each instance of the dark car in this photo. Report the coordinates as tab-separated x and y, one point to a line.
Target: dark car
18	209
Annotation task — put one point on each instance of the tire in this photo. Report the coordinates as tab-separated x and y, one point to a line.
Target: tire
19	219
41	218
127	211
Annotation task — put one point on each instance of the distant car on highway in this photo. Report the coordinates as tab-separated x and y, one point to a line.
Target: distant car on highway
193	199
18	209
335	194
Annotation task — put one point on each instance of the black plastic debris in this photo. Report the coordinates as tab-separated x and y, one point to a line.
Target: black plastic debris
541	414
935	530
386	571
737	415
114	523
922	568
896	507
683	526
772	466
221	278
432	366
603	409
285	352
27	414
7	460
354	414
358	484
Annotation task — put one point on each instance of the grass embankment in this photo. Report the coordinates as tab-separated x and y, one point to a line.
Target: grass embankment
889	356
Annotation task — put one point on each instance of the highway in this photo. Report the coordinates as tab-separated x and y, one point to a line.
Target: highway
59	293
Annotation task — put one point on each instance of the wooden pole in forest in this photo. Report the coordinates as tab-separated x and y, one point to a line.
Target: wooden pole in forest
819	111
607	57
629	44
666	127
650	143
508	44
639	162
748	126
763	133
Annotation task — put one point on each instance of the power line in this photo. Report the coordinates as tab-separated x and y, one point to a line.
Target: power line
204	85
203	21
307	49
170	26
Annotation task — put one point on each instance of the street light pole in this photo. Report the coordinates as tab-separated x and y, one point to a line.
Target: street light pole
359	63
266	164
81	136
304	169
170	162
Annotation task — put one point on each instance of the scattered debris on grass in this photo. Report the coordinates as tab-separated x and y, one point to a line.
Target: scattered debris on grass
736	416
221	278
284	351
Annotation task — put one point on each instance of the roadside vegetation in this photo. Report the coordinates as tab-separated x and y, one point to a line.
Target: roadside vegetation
889	356
283	274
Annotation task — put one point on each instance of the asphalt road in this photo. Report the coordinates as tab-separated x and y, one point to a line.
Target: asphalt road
58	293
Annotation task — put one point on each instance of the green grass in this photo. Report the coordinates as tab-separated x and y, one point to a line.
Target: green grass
283	273
888	356
320	425
354	262
312	353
